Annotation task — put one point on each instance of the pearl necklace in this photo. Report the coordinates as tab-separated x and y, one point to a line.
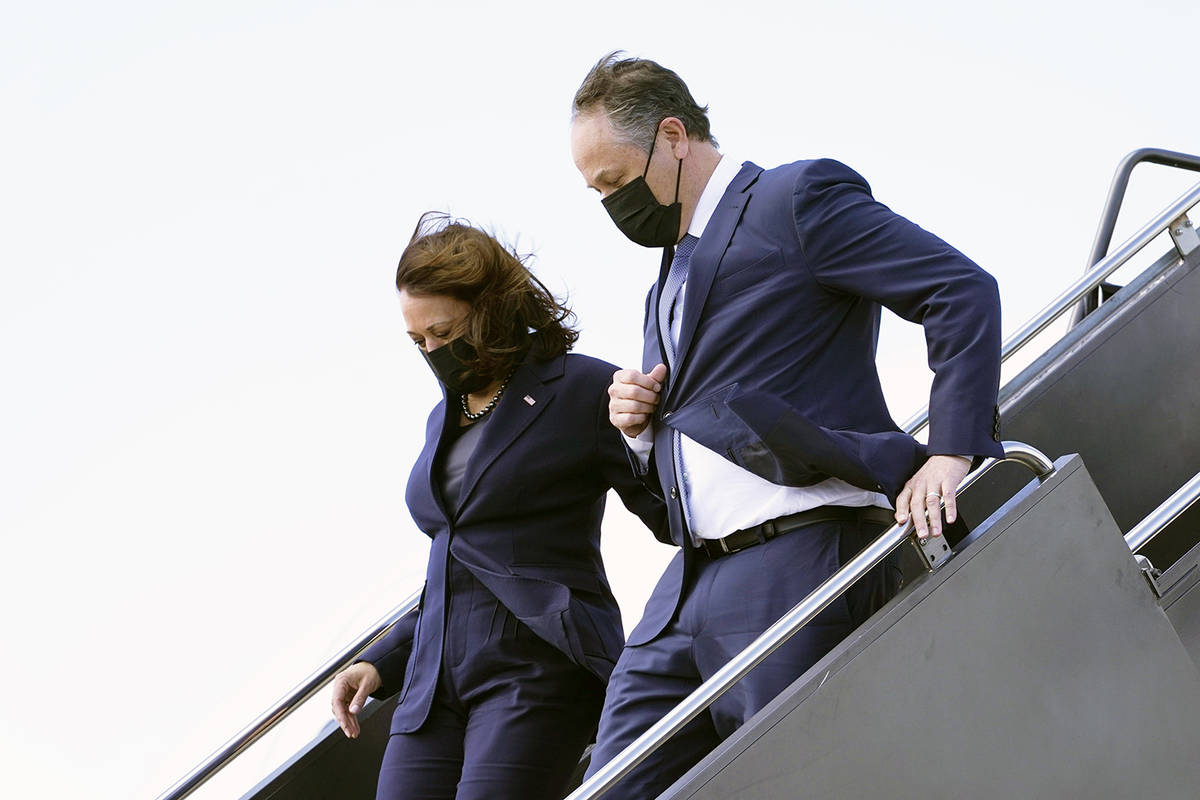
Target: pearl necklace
483	412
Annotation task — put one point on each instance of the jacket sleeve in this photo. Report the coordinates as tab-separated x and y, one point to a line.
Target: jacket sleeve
390	655
857	246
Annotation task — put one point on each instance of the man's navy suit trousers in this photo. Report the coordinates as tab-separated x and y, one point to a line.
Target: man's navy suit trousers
727	603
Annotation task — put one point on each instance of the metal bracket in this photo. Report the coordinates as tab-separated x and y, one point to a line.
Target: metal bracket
1150	573
934	551
1184	235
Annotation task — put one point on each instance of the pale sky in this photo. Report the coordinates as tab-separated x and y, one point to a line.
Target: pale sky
208	406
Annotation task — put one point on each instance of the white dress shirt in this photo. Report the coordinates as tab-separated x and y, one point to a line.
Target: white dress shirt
719	497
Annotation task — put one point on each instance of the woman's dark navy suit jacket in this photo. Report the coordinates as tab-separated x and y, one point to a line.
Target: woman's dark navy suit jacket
527	526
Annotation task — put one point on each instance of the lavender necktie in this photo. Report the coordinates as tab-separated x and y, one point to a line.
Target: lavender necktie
676	277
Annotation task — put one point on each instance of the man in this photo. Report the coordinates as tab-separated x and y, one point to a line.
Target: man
758	411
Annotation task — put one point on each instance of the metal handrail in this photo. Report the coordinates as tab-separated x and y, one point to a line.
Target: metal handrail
781	631
1116	191
1075	292
287	704
1164	515
1112	206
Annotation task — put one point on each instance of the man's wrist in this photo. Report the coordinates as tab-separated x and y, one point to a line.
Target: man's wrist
967	459
641	445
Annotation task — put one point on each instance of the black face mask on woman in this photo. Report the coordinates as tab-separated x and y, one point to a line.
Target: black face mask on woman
449	363
640	216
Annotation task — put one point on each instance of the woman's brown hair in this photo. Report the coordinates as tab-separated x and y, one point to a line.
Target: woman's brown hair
512	312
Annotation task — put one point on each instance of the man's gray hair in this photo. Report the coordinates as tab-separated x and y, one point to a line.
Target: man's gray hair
637	94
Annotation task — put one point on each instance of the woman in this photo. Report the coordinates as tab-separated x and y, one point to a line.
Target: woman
502	673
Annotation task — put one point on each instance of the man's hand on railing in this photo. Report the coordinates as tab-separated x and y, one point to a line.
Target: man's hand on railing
351	687
921	498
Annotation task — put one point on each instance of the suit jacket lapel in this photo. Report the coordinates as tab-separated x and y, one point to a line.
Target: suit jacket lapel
511	417
428	457
707	257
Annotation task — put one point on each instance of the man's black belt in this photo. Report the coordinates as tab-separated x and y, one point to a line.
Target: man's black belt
764	531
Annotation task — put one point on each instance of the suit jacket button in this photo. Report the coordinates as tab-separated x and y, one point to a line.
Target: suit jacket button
674	493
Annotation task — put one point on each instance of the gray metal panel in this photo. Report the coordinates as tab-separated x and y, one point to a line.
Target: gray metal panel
1037	663
1180	586
1185	616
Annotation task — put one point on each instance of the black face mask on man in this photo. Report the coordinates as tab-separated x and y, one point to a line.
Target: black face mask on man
450	364
638	214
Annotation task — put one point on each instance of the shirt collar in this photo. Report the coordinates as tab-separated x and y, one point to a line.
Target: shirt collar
727	169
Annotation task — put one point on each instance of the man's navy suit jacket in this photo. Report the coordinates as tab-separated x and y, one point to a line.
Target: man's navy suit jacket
527	525
776	353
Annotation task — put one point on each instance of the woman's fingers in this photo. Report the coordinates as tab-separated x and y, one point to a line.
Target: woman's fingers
351	688
343	691
360	698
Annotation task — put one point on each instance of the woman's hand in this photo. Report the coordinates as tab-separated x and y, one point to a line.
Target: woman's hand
351	687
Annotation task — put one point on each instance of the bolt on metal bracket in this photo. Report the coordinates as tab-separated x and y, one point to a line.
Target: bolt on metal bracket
934	551
1184	235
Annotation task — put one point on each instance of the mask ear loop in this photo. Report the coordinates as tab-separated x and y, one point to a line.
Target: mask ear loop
652	143
678	171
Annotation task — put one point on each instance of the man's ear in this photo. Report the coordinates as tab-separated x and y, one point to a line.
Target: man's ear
676	135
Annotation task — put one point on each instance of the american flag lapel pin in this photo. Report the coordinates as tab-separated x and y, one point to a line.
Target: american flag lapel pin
529	400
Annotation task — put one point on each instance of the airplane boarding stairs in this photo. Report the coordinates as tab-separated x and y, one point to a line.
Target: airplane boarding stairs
1045	658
